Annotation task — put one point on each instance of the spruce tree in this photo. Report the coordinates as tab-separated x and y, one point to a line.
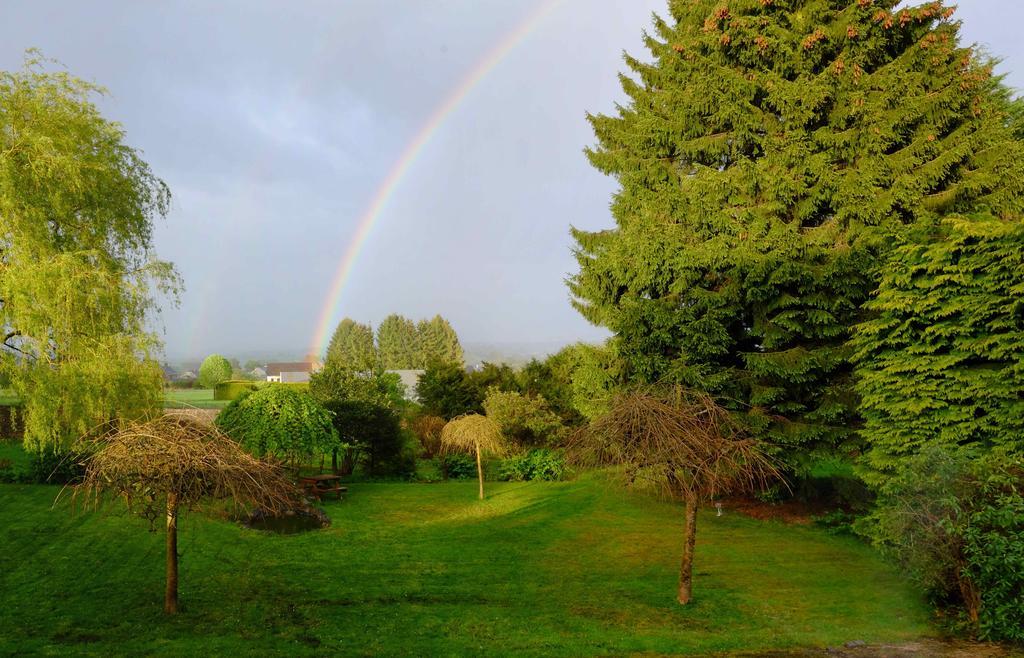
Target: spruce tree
769	155
398	343
438	342
352	346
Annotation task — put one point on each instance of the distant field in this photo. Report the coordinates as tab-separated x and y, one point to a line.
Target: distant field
192	398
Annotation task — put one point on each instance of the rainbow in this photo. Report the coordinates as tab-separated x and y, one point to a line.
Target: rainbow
325	324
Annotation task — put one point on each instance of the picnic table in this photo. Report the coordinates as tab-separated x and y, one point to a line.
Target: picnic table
318	485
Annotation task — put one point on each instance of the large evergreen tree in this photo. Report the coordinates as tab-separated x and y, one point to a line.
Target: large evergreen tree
768	156
398	343
438	342
352	346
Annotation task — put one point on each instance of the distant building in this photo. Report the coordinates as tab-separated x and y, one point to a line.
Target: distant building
410	379
291	373
258	373
170	374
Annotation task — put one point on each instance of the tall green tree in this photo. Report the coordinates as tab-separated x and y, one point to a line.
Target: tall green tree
77	271
352	346
398	343
769	155
438	342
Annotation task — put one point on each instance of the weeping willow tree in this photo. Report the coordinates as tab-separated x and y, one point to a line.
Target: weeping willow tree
171	464
683	445
77	273
474	434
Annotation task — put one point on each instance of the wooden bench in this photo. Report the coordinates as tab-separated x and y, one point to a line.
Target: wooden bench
318	485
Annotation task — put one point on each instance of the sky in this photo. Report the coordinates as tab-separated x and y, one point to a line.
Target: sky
275	124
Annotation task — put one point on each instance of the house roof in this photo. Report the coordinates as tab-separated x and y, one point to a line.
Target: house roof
275	369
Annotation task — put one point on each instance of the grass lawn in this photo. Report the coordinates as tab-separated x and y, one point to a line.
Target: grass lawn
415	569
192	398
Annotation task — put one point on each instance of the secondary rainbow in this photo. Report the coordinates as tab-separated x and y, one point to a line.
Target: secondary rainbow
408	157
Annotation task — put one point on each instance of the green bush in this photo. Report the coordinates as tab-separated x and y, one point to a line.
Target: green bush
280	421
233	389
539	464
215	369
372	437
458	466
955	520
525	420
49	466
994	552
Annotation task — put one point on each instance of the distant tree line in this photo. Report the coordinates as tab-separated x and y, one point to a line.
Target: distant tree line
399	344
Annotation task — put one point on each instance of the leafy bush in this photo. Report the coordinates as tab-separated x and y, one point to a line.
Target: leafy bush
994	553
214	370
955	521
538	464
458	466
445	390
524	420
49	466
233	389
372	437
280	421
335	382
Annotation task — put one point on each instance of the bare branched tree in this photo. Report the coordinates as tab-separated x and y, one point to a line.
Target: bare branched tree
173	463
680	442
473	433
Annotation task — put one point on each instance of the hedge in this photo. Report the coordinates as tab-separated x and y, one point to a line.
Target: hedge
232	389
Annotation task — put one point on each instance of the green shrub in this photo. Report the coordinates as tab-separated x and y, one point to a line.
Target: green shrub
525	420
280	421
50	466
539	464
233	389
458	466
215	369
372	437
955	521
994	552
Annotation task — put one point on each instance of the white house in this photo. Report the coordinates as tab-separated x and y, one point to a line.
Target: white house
291	373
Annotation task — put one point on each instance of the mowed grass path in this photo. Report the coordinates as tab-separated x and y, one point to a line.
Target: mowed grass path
411	569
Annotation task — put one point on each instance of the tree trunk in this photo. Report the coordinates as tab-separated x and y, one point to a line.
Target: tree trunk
334	461
171	593
479	471
689	537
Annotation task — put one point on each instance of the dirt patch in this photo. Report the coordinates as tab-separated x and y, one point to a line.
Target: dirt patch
790	511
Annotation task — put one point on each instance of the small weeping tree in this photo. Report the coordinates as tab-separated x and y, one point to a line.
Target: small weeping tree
473	433
681	443
172	464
